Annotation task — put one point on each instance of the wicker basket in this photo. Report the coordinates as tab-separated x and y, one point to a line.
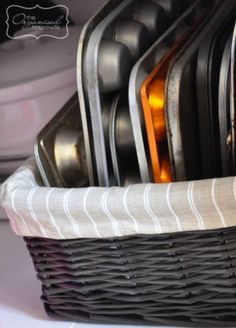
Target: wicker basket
176	278
182	279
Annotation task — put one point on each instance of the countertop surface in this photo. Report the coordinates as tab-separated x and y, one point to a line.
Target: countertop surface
20	304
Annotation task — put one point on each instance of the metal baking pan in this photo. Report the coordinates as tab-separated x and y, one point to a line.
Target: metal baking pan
208	72
122	144
59	149
144	67
112	49
83	88
224	110
181	114
123	153
232	101
181	100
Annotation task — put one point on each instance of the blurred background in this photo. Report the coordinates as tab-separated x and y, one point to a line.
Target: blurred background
37	76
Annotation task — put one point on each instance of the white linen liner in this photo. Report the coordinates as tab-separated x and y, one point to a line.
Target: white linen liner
94	212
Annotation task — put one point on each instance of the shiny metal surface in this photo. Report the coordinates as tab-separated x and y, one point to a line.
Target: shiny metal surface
208	73
60	151
106	121
83	87
123	132
112	142
224	108
152	16
114	64
70	157
122	148
233	100
102	77
94	96
181	106
133	35
142	69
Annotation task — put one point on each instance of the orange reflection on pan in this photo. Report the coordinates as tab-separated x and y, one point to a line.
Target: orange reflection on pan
153	104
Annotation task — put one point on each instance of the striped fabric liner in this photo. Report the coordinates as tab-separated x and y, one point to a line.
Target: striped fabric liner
112	212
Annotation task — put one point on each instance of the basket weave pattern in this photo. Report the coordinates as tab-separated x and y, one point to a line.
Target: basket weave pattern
184	279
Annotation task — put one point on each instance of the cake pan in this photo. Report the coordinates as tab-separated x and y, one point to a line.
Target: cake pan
181	110
208	73
59	149
181	114
145	66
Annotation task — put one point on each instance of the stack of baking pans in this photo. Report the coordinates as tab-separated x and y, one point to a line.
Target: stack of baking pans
110	44
147	100
156	97
116	42
107	55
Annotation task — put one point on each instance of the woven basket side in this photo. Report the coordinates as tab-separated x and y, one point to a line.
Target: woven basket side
185	279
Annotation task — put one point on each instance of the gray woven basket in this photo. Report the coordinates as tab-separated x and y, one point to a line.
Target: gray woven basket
185	278
182	279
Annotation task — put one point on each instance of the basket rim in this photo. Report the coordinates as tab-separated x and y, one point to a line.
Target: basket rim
96	212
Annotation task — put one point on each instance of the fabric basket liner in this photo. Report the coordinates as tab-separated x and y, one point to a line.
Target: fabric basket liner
94	212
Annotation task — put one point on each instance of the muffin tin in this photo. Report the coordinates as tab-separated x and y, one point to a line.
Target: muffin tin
184	25
112	48
83	88
59	149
